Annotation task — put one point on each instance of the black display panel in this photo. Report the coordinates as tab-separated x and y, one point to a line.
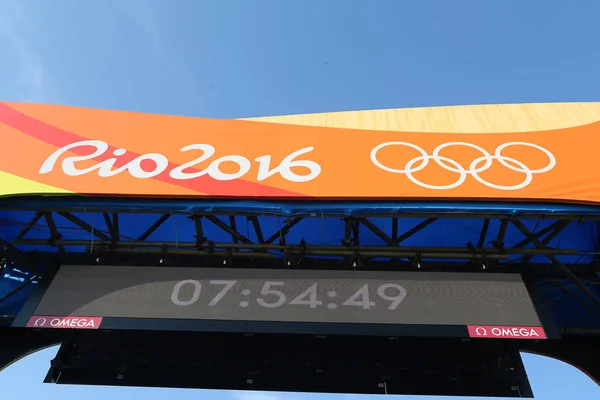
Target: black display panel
291	301
331	364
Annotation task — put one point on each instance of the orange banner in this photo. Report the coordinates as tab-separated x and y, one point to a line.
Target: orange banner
57	149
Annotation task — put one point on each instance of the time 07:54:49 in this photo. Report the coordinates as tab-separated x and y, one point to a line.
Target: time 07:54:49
271	295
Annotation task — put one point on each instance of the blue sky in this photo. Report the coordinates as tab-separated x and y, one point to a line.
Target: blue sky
239	58
244	58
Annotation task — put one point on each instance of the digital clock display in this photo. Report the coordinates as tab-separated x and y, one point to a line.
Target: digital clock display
287	295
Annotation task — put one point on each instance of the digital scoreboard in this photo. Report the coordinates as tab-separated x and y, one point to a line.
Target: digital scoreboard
389	303
385	332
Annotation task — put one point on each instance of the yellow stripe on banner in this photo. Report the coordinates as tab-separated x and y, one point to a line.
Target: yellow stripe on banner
11	185
493	118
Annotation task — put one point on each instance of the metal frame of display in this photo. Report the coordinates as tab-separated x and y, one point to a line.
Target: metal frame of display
106	244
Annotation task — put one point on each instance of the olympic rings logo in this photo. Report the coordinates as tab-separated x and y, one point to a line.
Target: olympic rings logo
475	168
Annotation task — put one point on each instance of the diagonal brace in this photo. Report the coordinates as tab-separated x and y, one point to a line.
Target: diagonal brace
54	234
257	228
284	230
381	234
161	220
234	234
84	225
29	226
540	233
419	227
561	226
558	263
19	288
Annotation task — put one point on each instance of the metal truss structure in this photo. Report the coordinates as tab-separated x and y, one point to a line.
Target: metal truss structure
247	239
386	241
368	239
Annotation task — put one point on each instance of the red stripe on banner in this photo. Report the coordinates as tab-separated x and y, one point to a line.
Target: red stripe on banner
204	184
